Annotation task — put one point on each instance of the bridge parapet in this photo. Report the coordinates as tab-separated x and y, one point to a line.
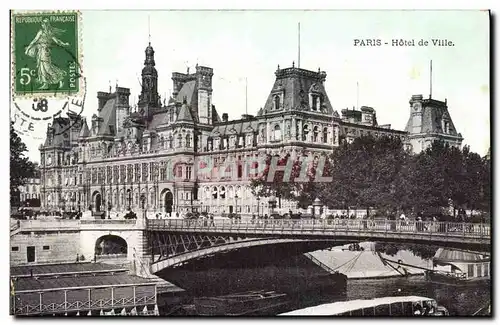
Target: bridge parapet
49	225
448	233
112	224
76	225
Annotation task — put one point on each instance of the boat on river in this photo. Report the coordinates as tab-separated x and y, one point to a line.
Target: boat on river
459	268
386	306
252	303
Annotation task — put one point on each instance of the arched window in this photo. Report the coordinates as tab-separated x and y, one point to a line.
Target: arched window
222	192
162	142
305	132
315	134
277	102
170	142
188	140
214	193
179	141
277	133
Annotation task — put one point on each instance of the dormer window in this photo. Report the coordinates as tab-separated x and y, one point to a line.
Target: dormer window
314	102
446	127
277	103
179	141
188	140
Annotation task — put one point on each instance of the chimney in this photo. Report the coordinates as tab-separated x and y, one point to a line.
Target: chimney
225	117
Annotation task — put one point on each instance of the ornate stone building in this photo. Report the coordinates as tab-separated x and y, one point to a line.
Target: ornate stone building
153	157
429	121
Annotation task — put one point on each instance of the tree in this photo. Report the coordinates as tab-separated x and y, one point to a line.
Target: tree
369	172
443	174
428	180
484	203
20	167
425	252
267	185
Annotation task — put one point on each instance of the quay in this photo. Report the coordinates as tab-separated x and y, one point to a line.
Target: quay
83	289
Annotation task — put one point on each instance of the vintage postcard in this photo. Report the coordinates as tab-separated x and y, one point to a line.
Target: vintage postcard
250	163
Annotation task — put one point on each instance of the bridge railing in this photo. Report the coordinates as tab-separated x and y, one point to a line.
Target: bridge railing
108	221
62	224
456	229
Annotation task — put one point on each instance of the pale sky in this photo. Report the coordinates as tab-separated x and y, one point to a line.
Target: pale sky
251	44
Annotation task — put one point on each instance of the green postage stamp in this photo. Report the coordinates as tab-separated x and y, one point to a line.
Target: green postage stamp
46	54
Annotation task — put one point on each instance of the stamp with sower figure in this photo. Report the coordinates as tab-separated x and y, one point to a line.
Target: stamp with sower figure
46	71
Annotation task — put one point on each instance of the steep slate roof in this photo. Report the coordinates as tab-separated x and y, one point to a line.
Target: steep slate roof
296	84
433	112
60	126
215	115
108	115
187	91
84	132
158	119
184	114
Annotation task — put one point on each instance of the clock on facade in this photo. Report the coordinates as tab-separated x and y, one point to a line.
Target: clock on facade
417	107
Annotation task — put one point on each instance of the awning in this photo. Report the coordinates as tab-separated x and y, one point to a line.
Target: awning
446	256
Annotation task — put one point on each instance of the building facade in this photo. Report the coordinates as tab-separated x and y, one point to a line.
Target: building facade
153	155
29	193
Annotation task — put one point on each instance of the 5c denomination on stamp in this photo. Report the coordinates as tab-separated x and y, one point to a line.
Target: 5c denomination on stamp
46	54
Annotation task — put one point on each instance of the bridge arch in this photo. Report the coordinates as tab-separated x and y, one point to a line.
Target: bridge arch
110	245
221	246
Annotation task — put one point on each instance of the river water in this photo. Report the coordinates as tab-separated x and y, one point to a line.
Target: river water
287	273
459	300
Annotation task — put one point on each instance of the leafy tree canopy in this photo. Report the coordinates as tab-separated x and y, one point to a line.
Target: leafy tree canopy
20	167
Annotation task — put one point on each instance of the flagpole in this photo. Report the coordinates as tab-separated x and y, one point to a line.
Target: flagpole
430	90
357	95
246	95
299	47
